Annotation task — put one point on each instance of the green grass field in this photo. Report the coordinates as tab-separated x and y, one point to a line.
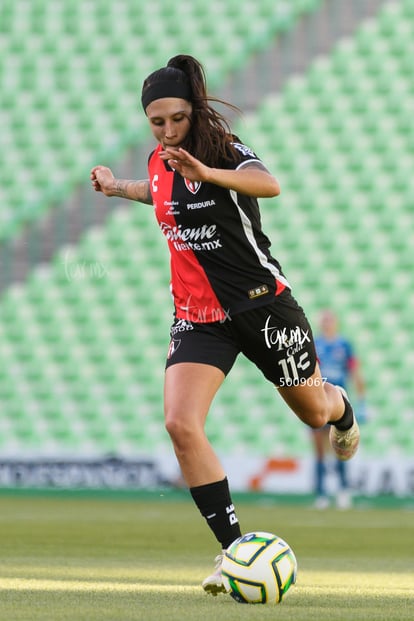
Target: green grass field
125	558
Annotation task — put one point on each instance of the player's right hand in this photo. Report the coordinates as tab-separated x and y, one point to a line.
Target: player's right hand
103	180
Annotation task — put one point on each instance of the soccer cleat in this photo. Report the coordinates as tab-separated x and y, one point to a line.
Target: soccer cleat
214	584
344	443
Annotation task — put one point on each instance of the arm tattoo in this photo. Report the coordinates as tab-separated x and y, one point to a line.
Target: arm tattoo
144	191
121	188
134	190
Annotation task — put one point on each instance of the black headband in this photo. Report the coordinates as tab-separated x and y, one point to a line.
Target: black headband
167	86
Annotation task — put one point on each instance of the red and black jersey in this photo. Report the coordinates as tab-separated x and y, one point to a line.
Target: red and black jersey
220	258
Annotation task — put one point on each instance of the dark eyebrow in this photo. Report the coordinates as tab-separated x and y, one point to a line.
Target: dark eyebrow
152	118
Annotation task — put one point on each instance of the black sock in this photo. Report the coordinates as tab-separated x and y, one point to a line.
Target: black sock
215	505
347	420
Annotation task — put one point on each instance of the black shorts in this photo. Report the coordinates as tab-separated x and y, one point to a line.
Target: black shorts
276	337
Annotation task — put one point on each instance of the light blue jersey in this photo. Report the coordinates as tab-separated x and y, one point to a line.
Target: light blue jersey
336	359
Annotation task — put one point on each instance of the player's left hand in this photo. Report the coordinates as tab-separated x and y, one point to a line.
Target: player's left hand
185	164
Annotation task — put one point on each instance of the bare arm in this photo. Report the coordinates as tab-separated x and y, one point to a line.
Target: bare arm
252	179
133	190
104	181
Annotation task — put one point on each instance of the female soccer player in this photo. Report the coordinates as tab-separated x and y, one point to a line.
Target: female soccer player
230	294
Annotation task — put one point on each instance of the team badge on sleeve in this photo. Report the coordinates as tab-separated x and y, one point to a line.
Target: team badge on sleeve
244	150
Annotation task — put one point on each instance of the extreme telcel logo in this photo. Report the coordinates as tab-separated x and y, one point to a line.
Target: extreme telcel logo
203	237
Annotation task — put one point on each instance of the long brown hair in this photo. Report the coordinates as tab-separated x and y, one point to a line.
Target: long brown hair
210	137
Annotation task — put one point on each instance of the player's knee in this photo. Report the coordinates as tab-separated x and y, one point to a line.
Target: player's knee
179	430
316	417
317	421
173	426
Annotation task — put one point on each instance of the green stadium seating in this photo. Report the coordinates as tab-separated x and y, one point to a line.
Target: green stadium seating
70	75
82	342
344	143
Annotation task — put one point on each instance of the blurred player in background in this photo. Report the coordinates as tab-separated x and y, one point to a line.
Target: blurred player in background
339	366
230	294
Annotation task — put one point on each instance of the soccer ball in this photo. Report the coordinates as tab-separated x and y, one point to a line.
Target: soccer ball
259	568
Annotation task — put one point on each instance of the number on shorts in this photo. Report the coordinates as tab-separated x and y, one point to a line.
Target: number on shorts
290	368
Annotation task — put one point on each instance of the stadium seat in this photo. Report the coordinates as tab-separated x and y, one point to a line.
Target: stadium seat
83	340
61	65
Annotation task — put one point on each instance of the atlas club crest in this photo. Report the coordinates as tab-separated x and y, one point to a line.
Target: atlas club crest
192	186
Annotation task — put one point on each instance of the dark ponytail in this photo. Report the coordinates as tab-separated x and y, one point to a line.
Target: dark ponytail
194	71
